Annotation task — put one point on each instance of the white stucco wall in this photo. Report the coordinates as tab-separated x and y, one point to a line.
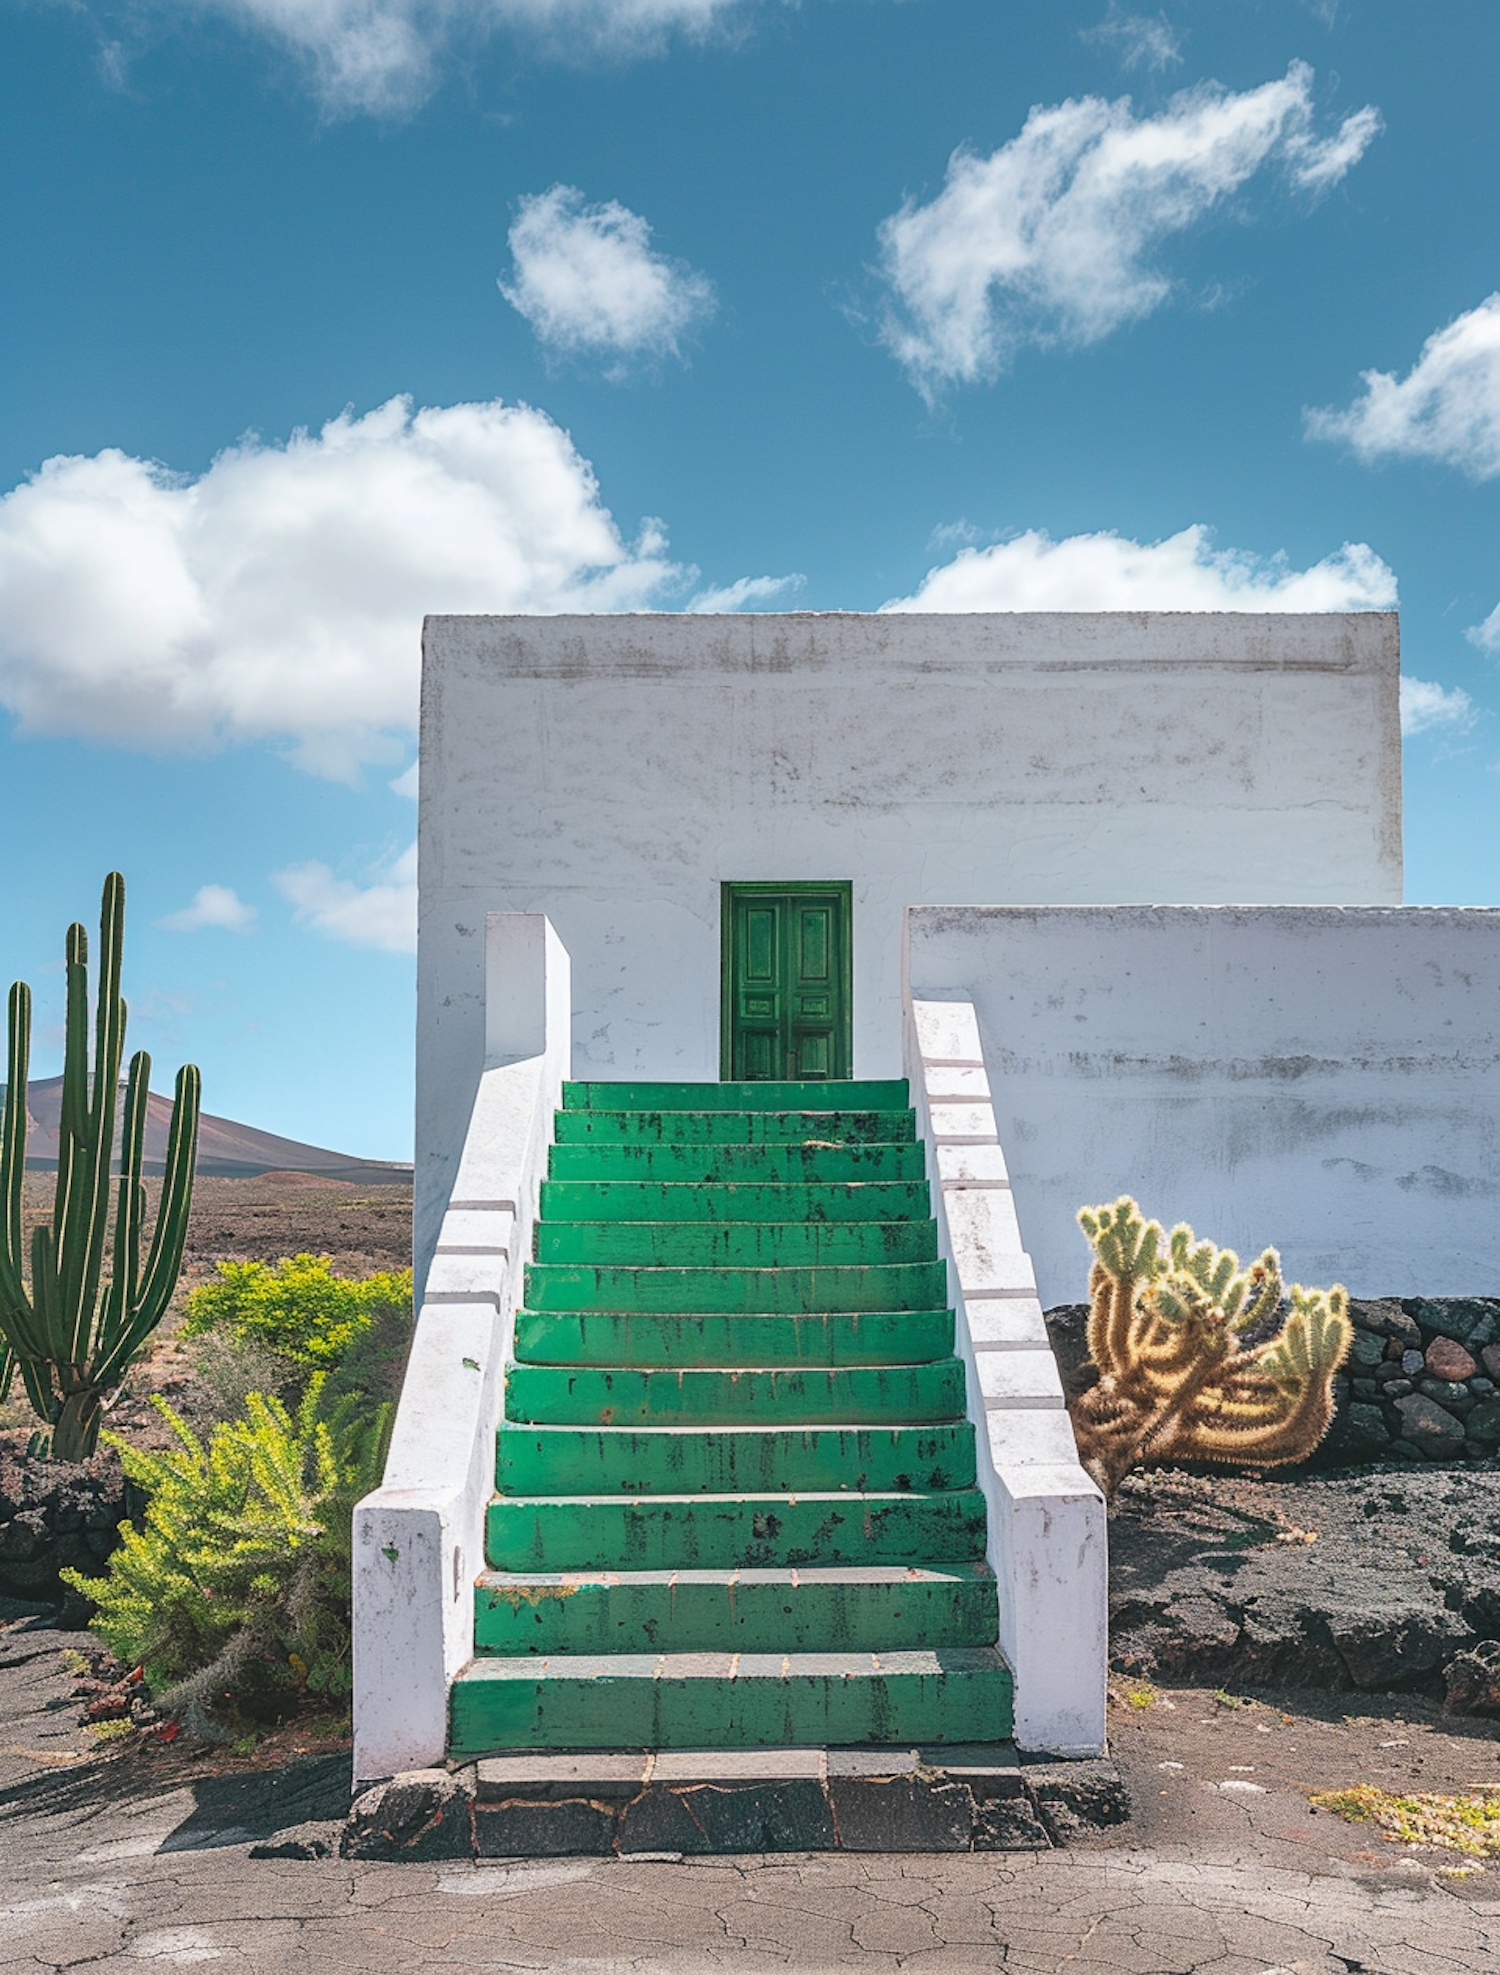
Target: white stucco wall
612	771
1324	1080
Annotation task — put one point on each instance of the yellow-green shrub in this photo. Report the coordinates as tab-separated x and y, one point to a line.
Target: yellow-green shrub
297	1307
233	1594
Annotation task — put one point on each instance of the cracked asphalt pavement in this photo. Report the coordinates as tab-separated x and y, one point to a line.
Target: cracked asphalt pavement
112	1862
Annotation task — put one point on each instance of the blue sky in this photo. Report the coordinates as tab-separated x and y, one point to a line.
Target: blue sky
692	302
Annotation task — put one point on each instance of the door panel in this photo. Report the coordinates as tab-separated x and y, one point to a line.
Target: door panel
786	998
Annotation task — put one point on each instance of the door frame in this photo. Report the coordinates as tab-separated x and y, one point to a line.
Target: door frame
729	890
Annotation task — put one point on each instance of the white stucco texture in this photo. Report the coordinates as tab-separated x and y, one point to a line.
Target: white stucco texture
1323	1080
613	771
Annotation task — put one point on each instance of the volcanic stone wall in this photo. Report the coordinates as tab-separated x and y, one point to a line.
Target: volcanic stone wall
1422	1381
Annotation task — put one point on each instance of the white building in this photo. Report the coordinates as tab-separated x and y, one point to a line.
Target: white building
1119	894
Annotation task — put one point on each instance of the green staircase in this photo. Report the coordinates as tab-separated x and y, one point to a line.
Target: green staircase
735	1488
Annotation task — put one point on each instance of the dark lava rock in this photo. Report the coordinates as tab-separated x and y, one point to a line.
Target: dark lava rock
1484	1422
1473	1320
1067	1333
1472	1681
1366	1424
57	1515
1429	1427
1353	1581
1387	1318
420	1814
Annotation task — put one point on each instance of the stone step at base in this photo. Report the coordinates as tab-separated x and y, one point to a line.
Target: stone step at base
717	1460
732	1532
597	1395
869	1608
729	1700
702	1802
716	1339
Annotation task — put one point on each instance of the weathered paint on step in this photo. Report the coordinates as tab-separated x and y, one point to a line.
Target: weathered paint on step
628	1337
716	1700
690	1460
817	1128
735	1244
716	1165
623	1200
892	1095
773	1292
877	1608
729	1532
598	1395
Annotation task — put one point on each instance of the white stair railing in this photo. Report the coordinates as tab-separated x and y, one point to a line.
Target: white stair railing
419	1538
1047	1541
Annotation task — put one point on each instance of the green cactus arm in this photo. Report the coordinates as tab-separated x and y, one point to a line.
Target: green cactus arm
33	1344
120	1298
72	1124
13	1152
169	1236
87	1263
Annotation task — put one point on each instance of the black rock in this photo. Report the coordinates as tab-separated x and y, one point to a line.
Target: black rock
1387	1318
1472	1320
1472	1681
419	1815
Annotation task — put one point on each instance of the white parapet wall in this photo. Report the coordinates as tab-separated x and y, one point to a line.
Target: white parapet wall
1047	1538
419	1538
1323	1079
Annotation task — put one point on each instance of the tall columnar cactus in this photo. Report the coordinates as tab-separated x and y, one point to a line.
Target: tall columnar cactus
1177	1379
72	1332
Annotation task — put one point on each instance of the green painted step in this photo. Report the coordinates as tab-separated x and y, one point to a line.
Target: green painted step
721	1700
620	1200
846	1096
733	1532
879	1608
735	1244
627	1337
602	1395
719	1165
692	1460
771	1292
817	1128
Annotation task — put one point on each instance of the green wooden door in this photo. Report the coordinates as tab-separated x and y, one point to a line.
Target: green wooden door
787	1011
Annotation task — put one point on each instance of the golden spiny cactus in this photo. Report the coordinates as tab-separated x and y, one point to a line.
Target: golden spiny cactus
1176	1380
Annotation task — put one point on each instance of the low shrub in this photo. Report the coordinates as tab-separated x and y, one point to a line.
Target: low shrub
234	1592
297	1307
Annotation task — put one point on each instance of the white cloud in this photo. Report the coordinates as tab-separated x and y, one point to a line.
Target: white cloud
382	914
1487	634
406	783
1184	572
281	593
385	56
1053	237
213	905
1446	408
745	593
1142	40
590	284
1425	705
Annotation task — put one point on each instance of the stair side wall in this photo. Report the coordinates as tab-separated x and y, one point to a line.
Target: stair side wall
419	1537
1047	1534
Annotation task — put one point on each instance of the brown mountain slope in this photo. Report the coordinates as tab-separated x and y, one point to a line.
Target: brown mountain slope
225	1149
